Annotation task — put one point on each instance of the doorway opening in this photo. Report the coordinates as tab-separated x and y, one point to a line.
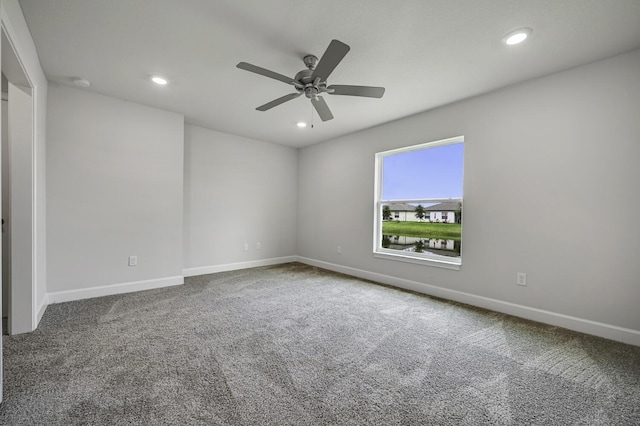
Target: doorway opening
17	188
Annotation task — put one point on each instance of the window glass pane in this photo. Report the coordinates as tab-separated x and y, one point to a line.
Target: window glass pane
425	173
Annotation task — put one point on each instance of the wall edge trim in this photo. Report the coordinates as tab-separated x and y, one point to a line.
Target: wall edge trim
109	290
202	270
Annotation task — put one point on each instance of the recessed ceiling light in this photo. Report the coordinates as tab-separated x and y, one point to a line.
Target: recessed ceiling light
301	124
81	82
159	80
517	36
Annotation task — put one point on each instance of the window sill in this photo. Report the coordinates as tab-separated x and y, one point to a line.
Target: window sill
426	261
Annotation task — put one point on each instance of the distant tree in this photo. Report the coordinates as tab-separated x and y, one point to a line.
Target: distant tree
458	213
386	213
420	212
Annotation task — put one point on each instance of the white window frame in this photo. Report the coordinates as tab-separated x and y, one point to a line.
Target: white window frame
429	259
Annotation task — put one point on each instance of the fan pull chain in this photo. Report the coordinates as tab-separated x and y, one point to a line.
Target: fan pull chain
311	114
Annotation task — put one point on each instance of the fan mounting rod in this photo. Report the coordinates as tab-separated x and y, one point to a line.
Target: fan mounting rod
310	61
304	77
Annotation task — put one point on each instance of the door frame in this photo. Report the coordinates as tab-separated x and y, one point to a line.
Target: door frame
14	30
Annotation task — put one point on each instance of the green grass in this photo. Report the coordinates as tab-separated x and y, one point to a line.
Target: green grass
450	231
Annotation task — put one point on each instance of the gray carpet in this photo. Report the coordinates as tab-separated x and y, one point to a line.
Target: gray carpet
296	345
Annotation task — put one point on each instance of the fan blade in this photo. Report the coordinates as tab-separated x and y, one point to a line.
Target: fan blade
322	108
262	71
278	101
366	91
331	58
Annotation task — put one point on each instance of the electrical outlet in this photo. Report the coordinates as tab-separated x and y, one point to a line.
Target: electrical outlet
257	246
521	279
133	260
246	246
339	250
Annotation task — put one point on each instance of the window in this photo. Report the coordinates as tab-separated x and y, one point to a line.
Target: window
427	179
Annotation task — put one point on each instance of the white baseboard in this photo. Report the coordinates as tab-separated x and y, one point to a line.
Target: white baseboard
620	334
202	270
108	290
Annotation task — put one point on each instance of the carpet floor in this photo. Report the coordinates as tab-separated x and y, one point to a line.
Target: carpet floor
296	345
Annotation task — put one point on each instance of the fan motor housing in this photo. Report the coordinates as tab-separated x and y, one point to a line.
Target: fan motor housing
304	76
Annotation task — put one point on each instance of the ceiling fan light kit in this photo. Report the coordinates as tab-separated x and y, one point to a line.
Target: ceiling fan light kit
312	82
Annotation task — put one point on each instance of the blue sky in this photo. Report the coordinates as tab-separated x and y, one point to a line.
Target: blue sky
427	173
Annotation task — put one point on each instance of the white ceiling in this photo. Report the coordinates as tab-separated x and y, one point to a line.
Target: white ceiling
426	53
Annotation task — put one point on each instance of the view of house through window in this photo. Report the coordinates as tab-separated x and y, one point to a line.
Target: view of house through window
419	202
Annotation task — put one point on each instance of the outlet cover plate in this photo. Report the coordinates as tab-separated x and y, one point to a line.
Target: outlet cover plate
521	279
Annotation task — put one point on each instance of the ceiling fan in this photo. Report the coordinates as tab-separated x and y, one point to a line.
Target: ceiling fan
313	81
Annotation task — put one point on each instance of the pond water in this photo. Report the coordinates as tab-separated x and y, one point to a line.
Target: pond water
442	247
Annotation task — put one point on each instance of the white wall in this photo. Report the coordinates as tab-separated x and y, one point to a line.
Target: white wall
559	147
115	186
237	191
